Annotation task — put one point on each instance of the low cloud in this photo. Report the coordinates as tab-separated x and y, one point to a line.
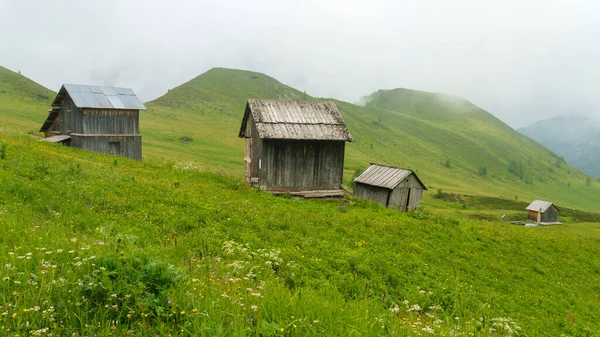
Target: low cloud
521	60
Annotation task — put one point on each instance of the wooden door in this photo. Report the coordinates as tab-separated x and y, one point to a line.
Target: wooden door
408	207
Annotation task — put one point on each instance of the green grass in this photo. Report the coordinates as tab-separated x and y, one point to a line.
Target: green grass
95	245
23	103
589	229
199	122
492	208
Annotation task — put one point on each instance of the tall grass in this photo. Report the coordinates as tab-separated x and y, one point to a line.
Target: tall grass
92	249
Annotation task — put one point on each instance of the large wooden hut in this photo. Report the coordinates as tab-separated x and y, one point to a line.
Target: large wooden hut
100	119
294	146
542	213
392	187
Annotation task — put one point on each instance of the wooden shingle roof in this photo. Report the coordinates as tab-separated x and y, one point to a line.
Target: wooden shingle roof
385	176
297	120
540	206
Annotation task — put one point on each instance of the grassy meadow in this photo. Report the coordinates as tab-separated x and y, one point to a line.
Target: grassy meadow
177	245
97	246
449	142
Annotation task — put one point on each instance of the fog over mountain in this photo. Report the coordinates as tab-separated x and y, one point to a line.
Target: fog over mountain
574	137
521	60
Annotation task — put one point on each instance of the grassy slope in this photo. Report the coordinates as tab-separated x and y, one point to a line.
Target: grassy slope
438	128
207	109
84	235
400	127
23	103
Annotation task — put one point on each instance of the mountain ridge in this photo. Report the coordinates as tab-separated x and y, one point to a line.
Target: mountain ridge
575	138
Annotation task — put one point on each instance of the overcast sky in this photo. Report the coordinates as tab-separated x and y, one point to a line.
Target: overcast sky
522	60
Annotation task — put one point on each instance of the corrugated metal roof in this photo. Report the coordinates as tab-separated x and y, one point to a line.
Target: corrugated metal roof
299	120
99	97
384	176
536	205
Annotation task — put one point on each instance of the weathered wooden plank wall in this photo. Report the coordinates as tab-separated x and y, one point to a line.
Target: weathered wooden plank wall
129	145
107	121
550	215
293	165
373	193
407	193
256	148
532	215
70	117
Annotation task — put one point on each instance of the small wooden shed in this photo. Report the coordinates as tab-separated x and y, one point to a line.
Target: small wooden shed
392	187
294	147
542	213
95	118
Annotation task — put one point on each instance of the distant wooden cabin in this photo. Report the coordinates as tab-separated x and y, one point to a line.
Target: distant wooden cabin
542	213
100	119
392	187
294	147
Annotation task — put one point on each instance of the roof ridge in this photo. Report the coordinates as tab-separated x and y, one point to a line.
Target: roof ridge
320	123
395	167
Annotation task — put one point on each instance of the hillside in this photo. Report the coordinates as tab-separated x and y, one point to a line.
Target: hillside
222	91
94	245
452	144
576	138
23	102
199	121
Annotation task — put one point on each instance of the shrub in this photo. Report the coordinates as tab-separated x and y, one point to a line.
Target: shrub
2	150
517	169
482	171
129	283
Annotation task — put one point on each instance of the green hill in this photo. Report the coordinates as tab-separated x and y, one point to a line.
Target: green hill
95	245
23	102
199	119
453	144
222	91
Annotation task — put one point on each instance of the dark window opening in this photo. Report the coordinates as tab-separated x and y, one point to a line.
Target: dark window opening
114	148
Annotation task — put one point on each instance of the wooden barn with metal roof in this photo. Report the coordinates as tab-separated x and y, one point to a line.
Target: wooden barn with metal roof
392	187
542	213
294	147
100	119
